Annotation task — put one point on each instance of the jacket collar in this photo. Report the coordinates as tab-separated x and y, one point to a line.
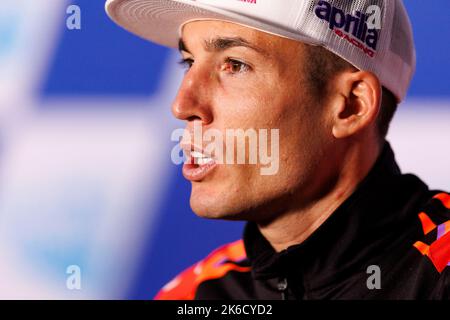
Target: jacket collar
365	225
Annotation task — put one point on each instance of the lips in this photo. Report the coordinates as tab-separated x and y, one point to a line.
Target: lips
199	164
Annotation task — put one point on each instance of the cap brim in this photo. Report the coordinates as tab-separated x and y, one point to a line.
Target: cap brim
160	21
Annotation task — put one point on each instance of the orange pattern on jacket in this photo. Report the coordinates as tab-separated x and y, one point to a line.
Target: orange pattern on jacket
215	266
439	250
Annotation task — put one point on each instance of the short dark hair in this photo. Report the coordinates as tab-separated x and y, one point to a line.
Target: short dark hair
323	65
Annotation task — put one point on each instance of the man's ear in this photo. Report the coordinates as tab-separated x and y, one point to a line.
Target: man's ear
356	104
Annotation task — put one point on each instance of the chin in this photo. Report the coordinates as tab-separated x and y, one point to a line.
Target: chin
212	209
216	205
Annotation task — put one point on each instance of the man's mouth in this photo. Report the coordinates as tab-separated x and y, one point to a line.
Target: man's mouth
198	164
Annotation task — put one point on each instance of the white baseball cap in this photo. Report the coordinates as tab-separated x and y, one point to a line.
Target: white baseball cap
373	35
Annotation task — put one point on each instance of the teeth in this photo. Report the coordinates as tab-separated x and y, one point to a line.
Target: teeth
196	154
200	158
202	161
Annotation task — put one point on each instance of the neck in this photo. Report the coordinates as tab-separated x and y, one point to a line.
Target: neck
296	225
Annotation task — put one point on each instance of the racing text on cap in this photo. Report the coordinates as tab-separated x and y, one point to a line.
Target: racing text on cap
364	27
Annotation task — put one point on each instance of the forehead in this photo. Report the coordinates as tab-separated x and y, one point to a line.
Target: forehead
211	27
196	32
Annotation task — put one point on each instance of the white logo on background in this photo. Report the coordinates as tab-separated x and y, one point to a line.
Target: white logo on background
73	281
73	22
374	280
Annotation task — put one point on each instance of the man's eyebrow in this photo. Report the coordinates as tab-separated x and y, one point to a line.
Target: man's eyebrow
222	44
182	46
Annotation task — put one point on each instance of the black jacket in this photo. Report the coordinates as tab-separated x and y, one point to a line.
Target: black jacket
389	240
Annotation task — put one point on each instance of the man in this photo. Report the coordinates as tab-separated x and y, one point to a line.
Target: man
337	220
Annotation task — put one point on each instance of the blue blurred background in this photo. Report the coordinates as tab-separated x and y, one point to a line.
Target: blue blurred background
85	172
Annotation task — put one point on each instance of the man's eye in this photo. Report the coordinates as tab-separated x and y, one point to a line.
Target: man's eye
186	63
235	66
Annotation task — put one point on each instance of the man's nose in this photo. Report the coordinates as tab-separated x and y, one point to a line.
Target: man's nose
193	100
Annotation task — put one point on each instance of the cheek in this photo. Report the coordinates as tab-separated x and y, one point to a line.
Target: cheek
267	106
249	109
302	140
238	111
252	101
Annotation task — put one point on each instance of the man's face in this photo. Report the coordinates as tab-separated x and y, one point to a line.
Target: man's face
240	78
